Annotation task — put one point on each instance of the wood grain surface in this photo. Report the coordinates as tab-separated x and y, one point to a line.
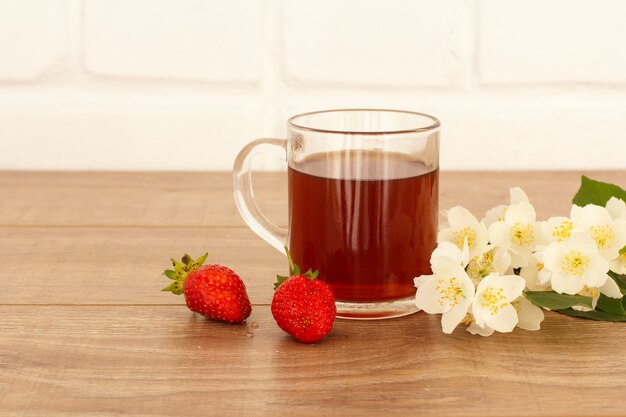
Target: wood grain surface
206	199
122	265
86	331
163	360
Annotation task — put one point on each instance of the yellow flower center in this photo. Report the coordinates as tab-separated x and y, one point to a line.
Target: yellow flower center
522	234
450	291
575	263
480	267
501	217
468	319
540	266
589	292
563	231
460	235
603	235
493	299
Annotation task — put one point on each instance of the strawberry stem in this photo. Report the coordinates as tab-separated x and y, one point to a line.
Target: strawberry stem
180	272
295	270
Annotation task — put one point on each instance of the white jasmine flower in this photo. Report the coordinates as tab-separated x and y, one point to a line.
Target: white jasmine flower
608	233
492	306
448	291
616	208
618	265
594	293
537	277
493	260
475	329
518	232
494	215
557	229
529	318
518	195
529	315
451	251
574	264
464	226
497	213
609	289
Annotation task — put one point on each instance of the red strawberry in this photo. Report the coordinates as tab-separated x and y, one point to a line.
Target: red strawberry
214	291
303	305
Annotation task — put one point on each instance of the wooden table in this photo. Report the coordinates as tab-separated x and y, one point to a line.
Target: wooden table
84	329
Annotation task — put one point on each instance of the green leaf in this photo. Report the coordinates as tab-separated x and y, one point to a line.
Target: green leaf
175	287
611	305
200	261
295	270
279	280
597	192
622	250
310	274
556	301
179	268
181	271
170	274
593	315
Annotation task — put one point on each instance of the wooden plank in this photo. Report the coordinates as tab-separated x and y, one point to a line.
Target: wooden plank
205	199
163	360
108	265
138	198
120	265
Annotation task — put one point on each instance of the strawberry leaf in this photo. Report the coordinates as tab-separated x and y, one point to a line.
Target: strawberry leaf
175	287
179	268
170	274
279	280
295	270
181	271
200	261
311	274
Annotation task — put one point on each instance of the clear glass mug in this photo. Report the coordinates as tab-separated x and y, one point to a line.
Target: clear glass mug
363	203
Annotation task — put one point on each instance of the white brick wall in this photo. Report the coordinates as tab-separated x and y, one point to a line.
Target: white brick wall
538	41
215	40
184	84
31	38
392	42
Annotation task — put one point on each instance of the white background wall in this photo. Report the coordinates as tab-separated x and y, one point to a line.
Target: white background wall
184	84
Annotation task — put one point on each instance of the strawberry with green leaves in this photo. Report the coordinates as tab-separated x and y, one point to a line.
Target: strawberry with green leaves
303	305
214	291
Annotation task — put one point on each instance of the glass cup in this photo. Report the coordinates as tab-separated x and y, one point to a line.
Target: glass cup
363	203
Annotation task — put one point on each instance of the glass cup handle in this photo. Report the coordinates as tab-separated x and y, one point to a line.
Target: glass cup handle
244	195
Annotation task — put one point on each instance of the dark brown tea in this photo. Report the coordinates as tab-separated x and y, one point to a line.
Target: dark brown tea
367	220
